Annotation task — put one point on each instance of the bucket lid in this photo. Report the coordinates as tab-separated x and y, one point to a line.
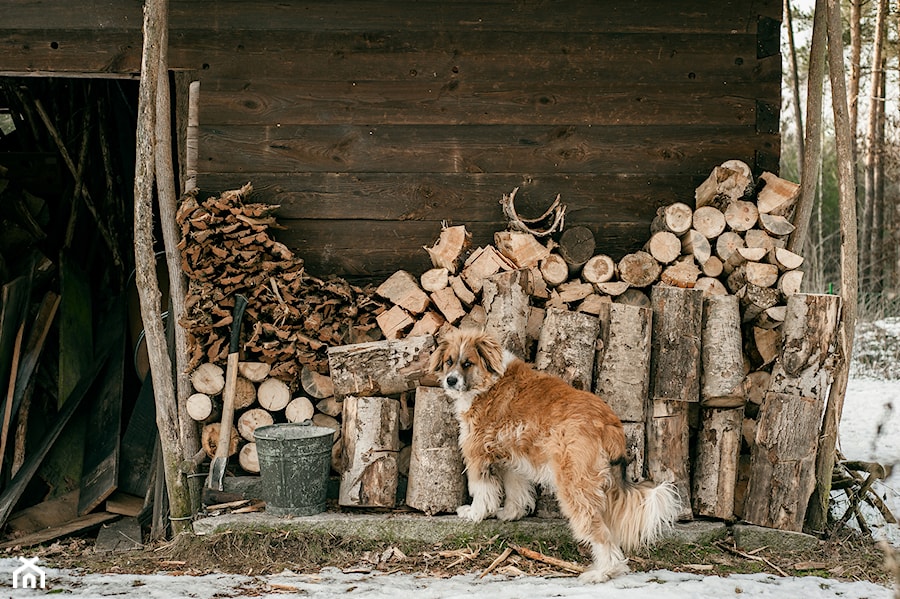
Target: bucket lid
291	431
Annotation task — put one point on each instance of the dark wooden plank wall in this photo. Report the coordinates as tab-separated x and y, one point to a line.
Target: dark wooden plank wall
373	122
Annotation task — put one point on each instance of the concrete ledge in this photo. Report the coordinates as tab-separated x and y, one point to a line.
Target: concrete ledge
428	529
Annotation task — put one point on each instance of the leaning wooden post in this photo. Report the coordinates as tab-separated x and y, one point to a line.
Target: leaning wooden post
782	463
675	385
168	204
167	421
436	481
817	513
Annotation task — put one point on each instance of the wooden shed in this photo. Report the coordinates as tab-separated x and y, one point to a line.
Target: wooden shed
371	123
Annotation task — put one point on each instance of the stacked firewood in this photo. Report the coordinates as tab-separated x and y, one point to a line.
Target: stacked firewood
291	320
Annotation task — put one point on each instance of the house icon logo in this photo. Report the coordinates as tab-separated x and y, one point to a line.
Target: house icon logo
27	575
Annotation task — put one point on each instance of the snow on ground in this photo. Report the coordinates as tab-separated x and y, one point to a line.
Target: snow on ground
870	430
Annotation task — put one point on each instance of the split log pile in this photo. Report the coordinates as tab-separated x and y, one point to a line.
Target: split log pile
291	320
701	306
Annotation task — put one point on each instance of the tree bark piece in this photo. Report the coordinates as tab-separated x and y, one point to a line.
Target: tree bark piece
252	419
709	221
599	269
379	367
755	299
273	394
446	251
782	473
622	376
208	378
371	443
566	346
675	218
664	246
402	289
551	221
639	269
506	303
721	351
522	249
716	466
436	481
300	409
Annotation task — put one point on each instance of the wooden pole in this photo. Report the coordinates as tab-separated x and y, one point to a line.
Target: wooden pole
167	420
817	511
813	143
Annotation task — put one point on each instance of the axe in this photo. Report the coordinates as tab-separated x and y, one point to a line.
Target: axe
220	460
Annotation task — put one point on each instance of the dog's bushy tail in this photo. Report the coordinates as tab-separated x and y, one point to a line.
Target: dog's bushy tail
640	513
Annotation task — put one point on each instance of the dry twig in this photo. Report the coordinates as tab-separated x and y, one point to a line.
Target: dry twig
553	561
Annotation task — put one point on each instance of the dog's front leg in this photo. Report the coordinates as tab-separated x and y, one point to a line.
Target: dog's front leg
485	489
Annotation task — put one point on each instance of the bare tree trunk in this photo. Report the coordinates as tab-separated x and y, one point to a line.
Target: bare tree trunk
795	84
168	204
855	53
812	143
877	230
817	510
871	148
154	27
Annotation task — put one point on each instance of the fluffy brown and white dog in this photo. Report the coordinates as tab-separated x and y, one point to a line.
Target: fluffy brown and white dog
519	426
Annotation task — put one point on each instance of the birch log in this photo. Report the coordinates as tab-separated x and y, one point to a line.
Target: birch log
721	358
715	468
379	367
782	469
566	346
436	481
675	356
505	298
371	443
668	440
622	376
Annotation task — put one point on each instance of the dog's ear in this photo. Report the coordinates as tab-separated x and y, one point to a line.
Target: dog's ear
491	352
437	357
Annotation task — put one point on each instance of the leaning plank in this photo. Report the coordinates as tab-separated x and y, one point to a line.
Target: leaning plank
370	431
436	481
506	303
17	484
379	367
34	345
46	514
101	452
782	470
78	525
622	376
715	469
566	346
